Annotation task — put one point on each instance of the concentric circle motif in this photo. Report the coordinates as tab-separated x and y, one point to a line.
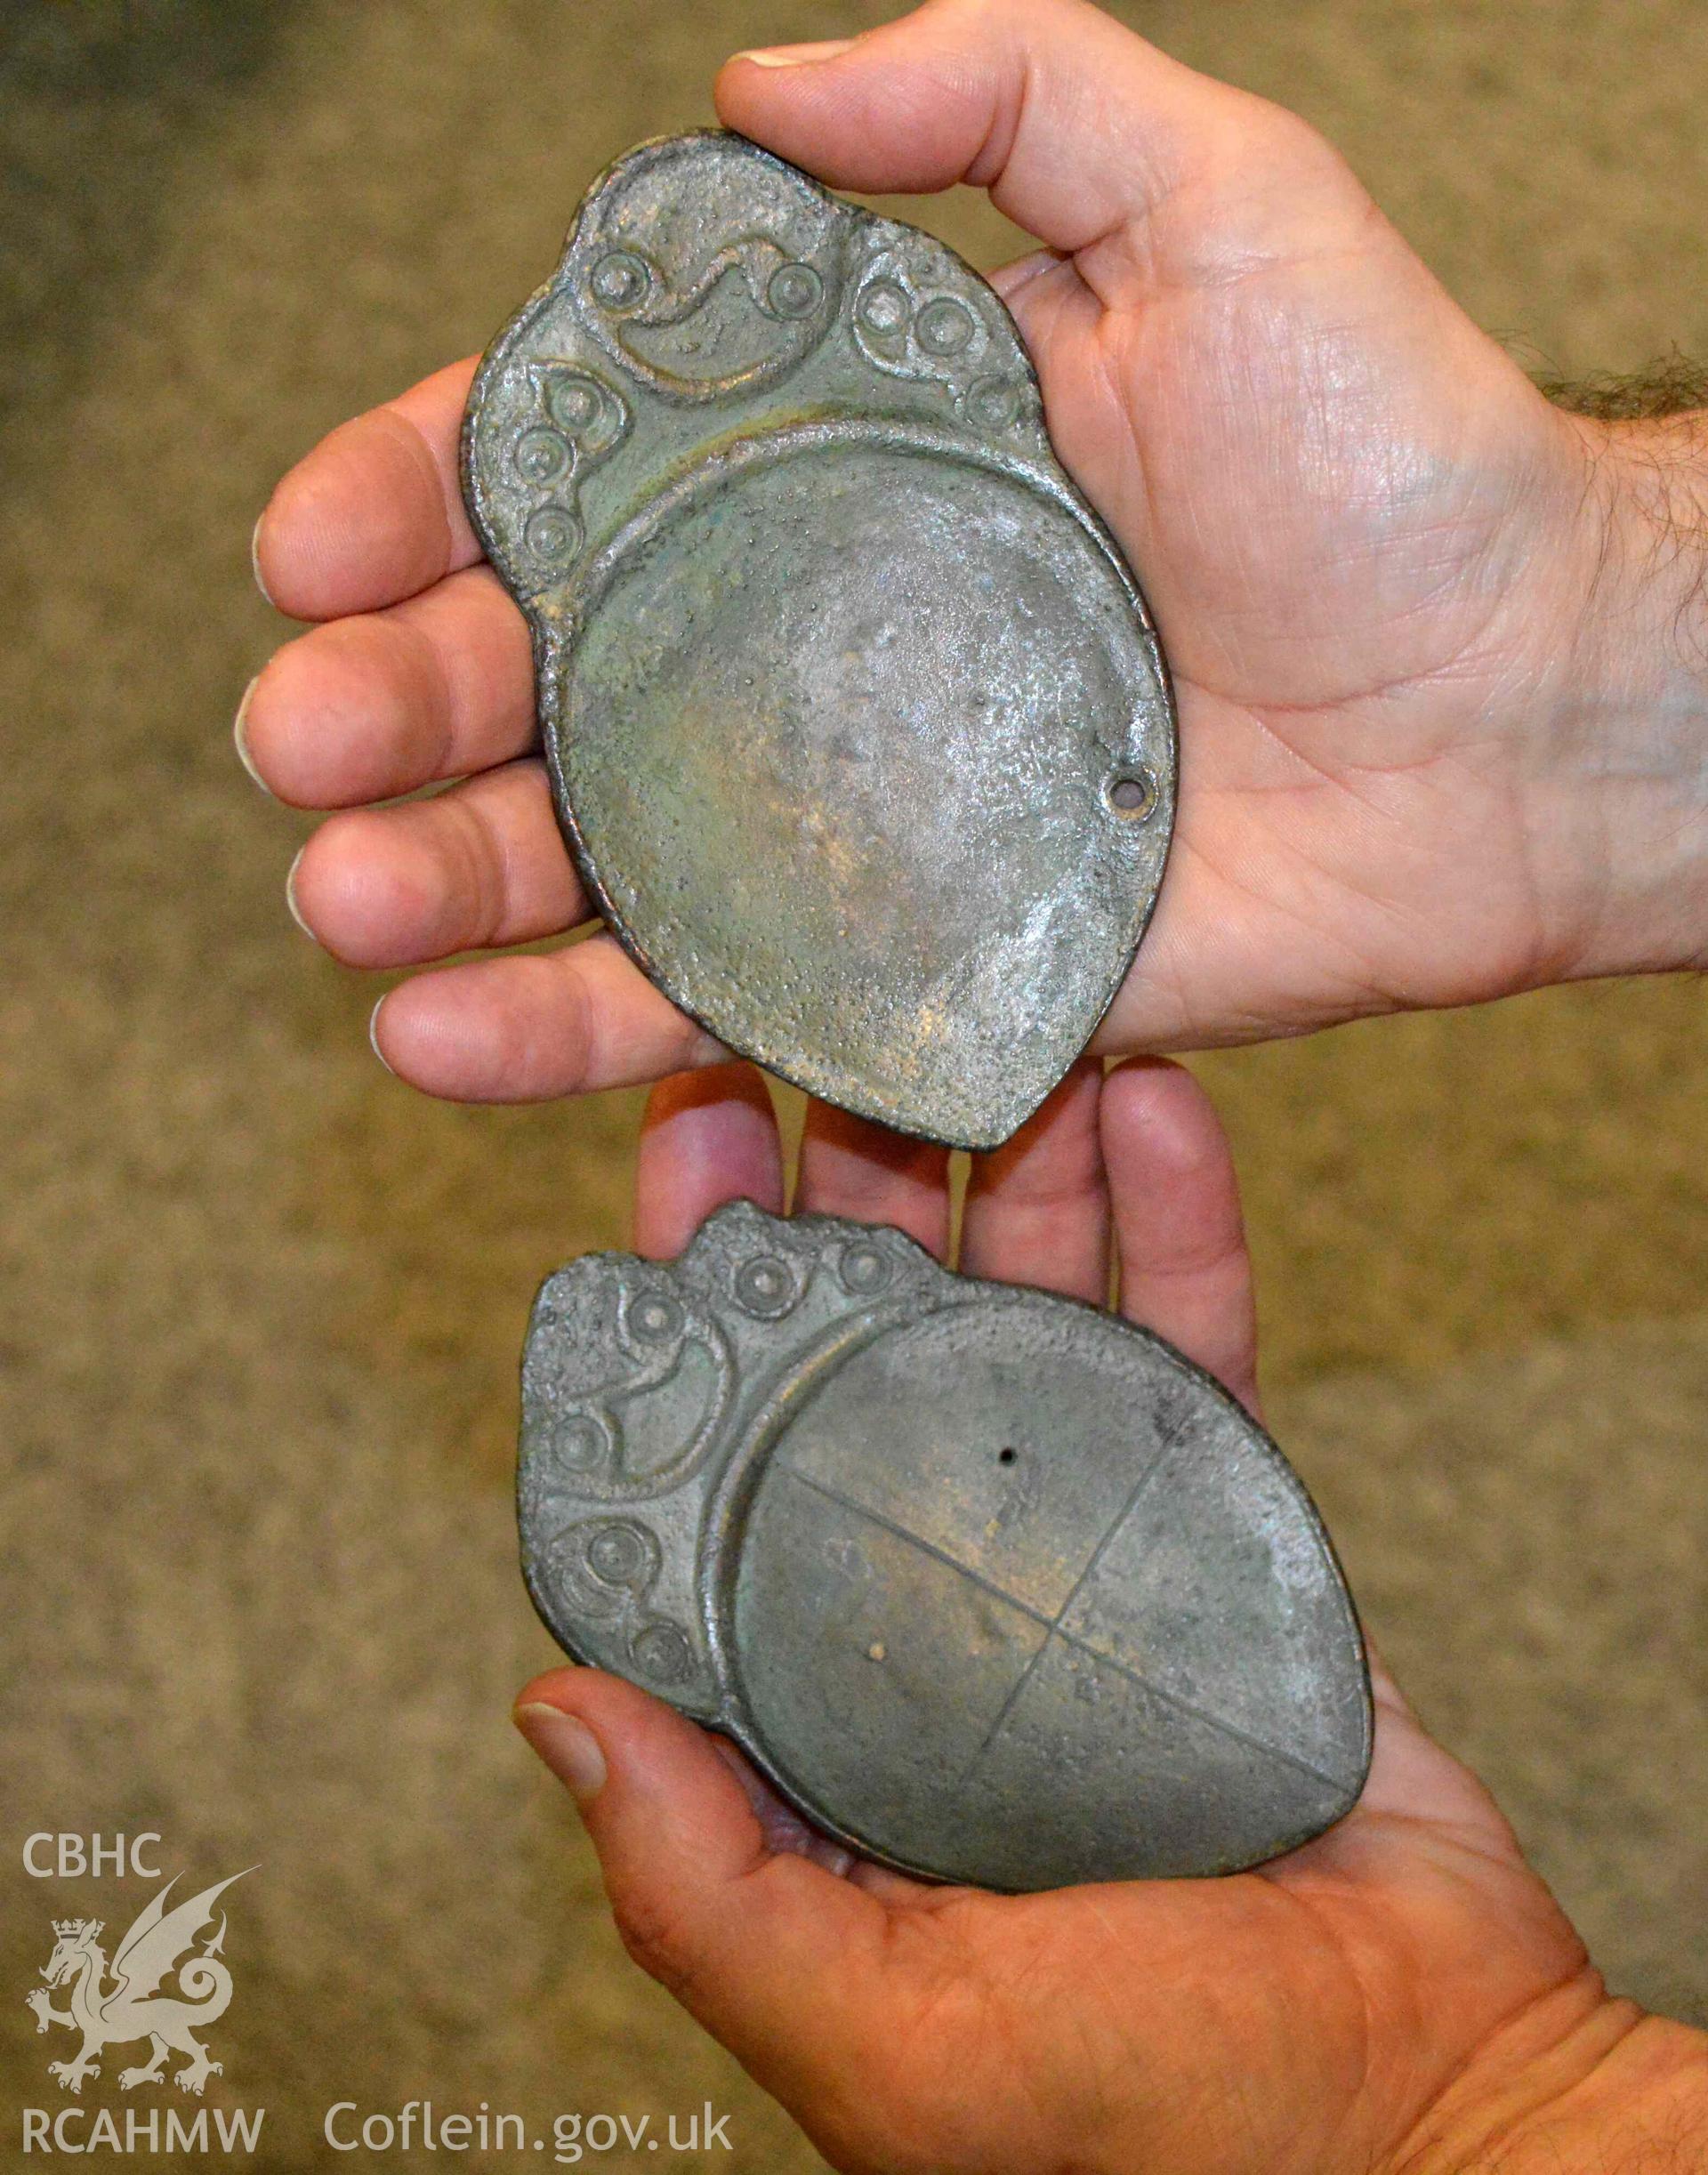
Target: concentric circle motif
765	1286
884	309
553	534
993	403
582	1442
944	326
541	457
864	1269
620	279
654	1317
794	291
575	401
662	1652
617	1554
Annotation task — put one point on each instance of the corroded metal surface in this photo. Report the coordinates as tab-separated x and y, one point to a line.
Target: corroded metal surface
993	1586
860	733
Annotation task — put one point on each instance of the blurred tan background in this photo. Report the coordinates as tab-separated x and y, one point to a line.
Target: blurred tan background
261	1305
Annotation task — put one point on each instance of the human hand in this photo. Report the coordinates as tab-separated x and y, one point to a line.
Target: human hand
1403	1993
1441	714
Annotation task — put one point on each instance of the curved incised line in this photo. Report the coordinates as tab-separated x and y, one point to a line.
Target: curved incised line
744	1466
673	306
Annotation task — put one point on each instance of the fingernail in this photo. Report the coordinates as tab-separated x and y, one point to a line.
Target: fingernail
568	1747
254	557
296	911
796	56
374	1035
239	733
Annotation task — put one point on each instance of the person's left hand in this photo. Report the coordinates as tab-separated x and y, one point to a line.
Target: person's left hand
1404	1991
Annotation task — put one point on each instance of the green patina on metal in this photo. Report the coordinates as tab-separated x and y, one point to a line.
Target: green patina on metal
993	1585
859	729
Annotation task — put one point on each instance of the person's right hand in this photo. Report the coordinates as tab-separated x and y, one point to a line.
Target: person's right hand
1441	715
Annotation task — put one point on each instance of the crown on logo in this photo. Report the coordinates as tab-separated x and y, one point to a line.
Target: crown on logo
91	1925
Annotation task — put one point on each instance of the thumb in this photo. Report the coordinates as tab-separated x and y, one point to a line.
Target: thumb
704	1903
1076	126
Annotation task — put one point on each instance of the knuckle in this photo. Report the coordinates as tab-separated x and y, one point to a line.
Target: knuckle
655	1936
578	1018
415	675
477	871
1213	1254
1257	137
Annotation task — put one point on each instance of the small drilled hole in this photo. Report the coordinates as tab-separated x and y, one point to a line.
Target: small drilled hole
1132	794
1006	1457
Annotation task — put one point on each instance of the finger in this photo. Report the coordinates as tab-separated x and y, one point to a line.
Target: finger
1076	126
734	1929
1412	1778
480	865
526	1030
389	701
707	1137
852	1167
782	1827
374	513
1037	1208
785	1829
1184	1271
1012	281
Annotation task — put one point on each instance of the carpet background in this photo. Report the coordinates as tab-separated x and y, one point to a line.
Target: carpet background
260	1305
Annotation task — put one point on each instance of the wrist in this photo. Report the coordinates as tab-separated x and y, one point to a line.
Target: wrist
1625	755
1576	2084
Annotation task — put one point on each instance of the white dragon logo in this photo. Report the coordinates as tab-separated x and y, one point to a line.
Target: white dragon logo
131	2008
